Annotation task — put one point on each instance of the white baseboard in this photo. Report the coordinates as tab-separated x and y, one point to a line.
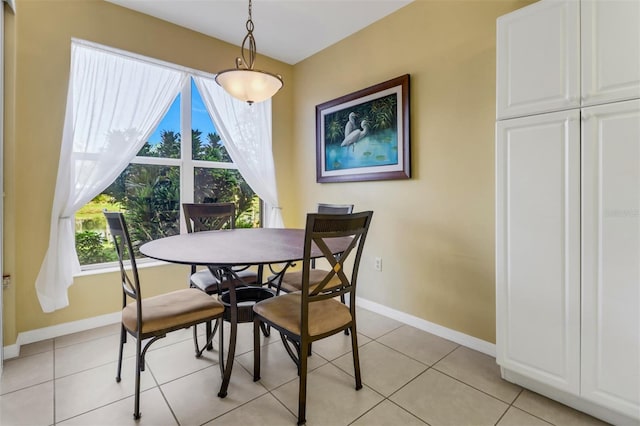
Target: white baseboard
37	335
32	336
11	351
430	327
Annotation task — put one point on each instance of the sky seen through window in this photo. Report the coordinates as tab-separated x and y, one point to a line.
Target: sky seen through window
199	117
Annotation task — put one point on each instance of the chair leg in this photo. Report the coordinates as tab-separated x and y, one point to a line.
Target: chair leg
136	409
208	335
221	347
346	330
356	357
226	376
215	328
256	348
195	341
123	339
266	330
302	392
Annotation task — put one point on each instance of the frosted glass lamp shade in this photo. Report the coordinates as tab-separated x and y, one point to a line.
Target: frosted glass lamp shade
249	85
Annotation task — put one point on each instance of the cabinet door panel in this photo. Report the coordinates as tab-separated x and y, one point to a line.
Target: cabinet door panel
538	59
538	247
611	256
610	50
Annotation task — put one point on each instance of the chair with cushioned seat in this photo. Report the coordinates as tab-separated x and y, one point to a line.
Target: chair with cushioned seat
213	217
292	281
152	318
314	313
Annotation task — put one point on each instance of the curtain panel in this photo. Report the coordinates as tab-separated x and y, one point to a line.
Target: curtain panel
114	102
246	132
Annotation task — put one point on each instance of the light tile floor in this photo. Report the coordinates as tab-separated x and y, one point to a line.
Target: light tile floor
410	377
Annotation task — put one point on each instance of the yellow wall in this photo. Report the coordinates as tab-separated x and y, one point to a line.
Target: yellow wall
434	232
42	31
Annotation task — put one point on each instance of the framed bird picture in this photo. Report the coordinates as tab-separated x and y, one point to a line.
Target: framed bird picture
364	135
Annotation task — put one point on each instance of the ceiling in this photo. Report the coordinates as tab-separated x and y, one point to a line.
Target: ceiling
287	30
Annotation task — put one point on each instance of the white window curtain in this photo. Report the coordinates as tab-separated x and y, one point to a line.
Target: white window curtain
246	132
114	102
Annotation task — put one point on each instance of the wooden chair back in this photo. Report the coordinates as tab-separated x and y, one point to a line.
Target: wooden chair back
319	229
209	216
122	241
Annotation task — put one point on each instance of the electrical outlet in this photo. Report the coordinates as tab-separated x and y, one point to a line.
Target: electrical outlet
377	264
6	280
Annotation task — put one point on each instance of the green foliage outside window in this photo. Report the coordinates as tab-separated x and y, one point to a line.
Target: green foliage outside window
92	247
149	195
151	202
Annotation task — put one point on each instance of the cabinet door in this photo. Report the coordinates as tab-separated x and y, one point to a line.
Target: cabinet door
538	59
611	256
538	247
610	50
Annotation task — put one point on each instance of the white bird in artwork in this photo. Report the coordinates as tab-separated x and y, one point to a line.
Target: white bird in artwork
351	124
357	134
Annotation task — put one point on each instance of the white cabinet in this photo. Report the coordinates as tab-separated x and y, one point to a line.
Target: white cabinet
538	241
560	54
568	203
611	256
610	50
538	65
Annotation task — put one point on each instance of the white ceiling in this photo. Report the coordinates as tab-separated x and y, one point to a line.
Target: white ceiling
287	30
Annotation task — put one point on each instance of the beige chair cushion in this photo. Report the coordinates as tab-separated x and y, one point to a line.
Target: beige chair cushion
324	316
292	281
172	310
206	282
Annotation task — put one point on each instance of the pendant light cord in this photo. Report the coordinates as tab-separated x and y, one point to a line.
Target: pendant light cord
252	44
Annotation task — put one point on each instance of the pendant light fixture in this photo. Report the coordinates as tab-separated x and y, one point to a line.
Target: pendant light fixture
245	83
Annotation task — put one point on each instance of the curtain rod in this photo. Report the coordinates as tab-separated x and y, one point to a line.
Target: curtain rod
141	58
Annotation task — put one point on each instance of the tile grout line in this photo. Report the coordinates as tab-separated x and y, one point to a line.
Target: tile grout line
473	387
125	357
388	398
525	411
148	367
509	407
417	360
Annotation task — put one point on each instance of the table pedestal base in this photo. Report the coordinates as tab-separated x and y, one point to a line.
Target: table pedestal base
238	303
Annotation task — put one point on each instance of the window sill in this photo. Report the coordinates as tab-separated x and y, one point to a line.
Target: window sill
106	268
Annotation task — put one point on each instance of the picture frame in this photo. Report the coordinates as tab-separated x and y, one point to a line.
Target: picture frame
364	136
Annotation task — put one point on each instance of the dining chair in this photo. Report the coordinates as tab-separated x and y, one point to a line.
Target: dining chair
292	281
314	313
150	319
211	217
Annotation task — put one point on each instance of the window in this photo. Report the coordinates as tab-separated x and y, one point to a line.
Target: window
172	167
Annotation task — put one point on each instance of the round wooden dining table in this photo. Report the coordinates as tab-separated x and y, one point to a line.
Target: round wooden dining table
221	250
